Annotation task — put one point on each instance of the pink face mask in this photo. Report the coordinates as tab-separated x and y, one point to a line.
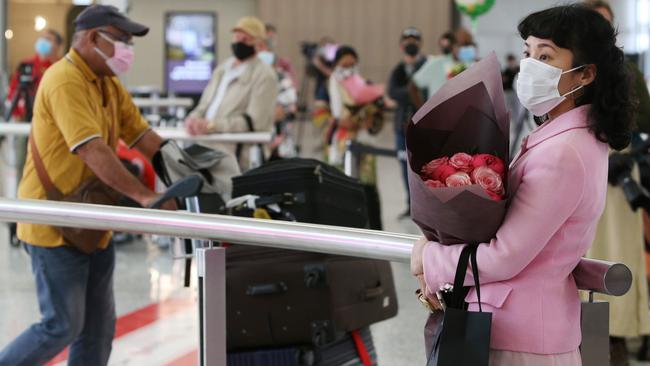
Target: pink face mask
122	59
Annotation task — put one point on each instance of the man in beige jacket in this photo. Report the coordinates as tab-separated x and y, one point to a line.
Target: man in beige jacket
241	94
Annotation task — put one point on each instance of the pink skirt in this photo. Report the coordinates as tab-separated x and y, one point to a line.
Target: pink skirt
509	358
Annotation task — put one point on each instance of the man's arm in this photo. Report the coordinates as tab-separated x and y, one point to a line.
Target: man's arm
149	144
398	87
320	65
107	167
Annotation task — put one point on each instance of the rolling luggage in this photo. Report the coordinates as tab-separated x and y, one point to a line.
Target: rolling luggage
283	297
329	196
343	352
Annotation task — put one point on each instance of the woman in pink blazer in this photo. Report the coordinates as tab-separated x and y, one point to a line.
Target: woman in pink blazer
572	78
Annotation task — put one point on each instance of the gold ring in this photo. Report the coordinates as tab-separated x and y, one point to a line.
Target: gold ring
424	301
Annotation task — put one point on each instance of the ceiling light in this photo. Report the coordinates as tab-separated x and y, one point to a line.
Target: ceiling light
39	23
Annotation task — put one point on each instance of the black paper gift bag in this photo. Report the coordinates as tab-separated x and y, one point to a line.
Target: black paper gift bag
464	339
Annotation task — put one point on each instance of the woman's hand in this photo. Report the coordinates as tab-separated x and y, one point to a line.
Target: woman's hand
417	270
417	267
423	295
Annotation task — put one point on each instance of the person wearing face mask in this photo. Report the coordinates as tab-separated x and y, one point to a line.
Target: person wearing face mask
241	95
282	63
285	106
81	111
48	50
465	53
576	81
619	237
400	90
352	121
433	74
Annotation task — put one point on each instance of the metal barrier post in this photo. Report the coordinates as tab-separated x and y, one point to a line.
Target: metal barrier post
211	266
594	324
351	161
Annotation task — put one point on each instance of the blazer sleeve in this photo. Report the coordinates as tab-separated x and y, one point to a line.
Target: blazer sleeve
551	189
208	94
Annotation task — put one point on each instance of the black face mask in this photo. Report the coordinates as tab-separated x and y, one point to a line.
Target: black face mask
242	51
447	50
411	49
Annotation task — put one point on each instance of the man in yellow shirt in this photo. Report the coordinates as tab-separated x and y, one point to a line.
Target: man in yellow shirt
81	110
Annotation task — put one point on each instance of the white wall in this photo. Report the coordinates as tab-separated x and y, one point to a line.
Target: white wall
150	50
497	30
122	5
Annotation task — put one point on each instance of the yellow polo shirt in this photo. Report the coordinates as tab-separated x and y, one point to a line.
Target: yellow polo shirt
72	107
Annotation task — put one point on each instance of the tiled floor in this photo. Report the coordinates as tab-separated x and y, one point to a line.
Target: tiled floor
158	319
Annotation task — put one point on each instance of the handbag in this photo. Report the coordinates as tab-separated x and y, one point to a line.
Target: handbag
91	191
464	337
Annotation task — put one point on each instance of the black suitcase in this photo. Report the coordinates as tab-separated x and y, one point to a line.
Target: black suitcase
328	196
282	297
342	352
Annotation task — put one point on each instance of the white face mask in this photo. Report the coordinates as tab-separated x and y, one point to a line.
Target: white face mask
345	72
537	86
267	57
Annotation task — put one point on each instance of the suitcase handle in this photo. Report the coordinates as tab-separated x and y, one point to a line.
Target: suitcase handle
373	293
266	289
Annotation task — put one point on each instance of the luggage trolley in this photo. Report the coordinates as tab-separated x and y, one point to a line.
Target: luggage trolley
211	265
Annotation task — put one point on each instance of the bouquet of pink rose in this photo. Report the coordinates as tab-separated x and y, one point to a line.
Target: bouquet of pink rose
488	171
456	145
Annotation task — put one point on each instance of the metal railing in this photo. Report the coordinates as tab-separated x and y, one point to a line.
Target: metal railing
599	276
163	102
277	234
174	133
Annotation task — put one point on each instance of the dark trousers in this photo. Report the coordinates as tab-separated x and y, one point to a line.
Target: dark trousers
75	296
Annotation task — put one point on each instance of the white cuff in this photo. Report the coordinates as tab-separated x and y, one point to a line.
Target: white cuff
76	146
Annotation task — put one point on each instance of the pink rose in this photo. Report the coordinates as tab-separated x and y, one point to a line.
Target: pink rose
488	179
458	179
443	172
429	168
462	162
434	184
490	161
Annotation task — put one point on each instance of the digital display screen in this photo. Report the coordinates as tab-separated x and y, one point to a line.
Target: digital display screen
190	51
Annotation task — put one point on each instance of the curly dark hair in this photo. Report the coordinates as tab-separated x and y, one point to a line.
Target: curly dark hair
345	50
592	40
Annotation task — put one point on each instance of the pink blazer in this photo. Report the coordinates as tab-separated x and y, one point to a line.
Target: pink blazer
558	187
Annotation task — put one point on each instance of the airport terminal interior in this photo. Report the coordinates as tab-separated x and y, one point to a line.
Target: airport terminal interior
339	89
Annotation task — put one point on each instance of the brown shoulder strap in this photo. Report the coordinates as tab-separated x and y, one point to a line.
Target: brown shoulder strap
51	191
111	123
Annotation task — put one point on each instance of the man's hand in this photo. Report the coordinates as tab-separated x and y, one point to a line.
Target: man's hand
169	205
196	126
103	161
